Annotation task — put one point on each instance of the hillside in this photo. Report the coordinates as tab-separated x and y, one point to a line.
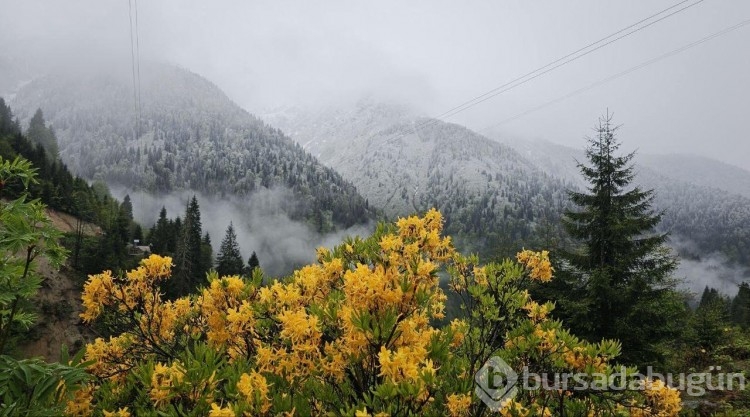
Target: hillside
500	192
487	191
191	137
707	210
58	302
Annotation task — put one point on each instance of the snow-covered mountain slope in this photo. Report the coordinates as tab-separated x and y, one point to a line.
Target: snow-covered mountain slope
403	163
505	194
706	205
191	136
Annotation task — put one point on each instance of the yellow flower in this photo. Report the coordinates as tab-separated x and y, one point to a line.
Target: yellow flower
254	388
80	405
664	401
536	312
458	404
123	412
158	267
218	411
537	263
322	253
459	329
298	326
390	243
362	413
163	381
96	294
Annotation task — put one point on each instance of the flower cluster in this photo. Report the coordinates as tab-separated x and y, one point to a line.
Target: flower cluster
356	333
537	263
661	401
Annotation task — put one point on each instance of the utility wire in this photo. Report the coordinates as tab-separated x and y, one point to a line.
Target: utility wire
573	56
138	66
132	61
622	73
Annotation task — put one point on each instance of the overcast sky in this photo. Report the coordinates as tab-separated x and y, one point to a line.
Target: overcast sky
434	55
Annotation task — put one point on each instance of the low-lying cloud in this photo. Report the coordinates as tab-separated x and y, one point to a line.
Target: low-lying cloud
713	270
282	244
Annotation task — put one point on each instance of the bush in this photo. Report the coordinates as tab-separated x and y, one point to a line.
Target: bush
353	334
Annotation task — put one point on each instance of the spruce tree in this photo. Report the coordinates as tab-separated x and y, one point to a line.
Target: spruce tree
40	134
161	234
740	307
252	264
207	256
709	320
229	259
619	279
189	270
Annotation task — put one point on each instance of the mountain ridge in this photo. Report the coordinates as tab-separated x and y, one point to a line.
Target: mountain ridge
192	136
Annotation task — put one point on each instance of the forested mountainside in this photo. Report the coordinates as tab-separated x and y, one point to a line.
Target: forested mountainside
559	161
701	171
504	192
402	164
706	205
189	136
55	185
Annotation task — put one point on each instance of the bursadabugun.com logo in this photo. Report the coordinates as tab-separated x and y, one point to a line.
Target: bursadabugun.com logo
496	382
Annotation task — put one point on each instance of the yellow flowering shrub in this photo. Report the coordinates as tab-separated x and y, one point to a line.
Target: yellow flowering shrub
362	331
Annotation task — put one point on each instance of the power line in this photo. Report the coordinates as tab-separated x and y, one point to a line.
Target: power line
622	73
132	61
138	66
573	56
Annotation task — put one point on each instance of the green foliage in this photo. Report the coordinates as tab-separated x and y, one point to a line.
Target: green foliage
252	264
618	283
740	307
55	185
41	134
25	233
34	388
192	257
229	259
161	235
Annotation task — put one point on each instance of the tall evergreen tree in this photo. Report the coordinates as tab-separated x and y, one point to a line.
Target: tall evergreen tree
175	228
252	264
39	133
740	308
189	270
619	280
207	256
160	235
127	207
229	259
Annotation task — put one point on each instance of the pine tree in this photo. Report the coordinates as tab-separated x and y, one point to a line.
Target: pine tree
160	234
709	320
207	256
229	259
39	133
740	308
127	207
189	270
252	264
619	281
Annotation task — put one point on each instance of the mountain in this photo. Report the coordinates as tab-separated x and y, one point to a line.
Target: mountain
559	160
187	135
705	203
700	171
492	197
501	193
